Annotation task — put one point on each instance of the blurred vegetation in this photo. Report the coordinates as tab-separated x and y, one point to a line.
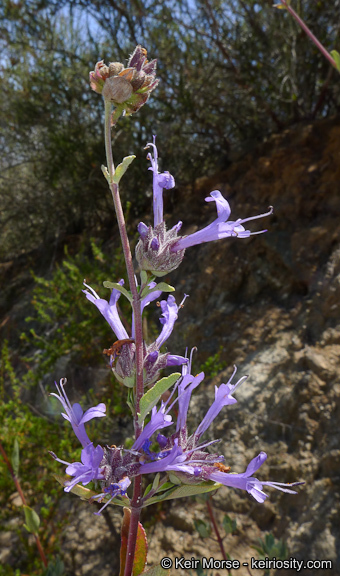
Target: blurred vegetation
231	71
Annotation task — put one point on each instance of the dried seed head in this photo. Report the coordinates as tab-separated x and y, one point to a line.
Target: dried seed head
117	90
115	68
128	87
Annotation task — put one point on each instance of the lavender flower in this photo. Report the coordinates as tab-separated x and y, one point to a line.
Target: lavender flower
87	470
245	481
115	489
185	456
160	250
220	228
180	454
154	361
75	415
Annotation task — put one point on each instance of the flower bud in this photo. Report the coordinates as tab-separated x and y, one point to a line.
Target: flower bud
153	251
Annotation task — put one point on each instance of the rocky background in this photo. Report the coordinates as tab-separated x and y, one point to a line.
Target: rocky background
270	305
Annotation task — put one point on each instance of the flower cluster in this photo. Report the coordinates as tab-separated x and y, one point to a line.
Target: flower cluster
124	365
160	250
184	456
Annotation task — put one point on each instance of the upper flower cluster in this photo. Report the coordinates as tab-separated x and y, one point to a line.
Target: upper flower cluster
127	87
160	250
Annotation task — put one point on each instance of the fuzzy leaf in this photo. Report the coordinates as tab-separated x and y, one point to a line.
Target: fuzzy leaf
15	460
105	172
192	490
156	481
143	277
160	497
122	168
141	546
336	57
111	285
32	520
156	571
151	397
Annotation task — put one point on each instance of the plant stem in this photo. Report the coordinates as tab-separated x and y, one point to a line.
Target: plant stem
215	527
23	500
309	33
139	389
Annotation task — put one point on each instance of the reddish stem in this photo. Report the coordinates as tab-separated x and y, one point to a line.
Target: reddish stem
216	530
139	388
309	33
23	500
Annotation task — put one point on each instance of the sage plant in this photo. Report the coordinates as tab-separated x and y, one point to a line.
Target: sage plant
181	461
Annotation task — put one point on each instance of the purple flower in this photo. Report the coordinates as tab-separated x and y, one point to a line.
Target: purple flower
75	414
159	419
185	456
245	481
220	228
108	309
115	489
175	461
160	181
223	397
87	470
154	361
160	250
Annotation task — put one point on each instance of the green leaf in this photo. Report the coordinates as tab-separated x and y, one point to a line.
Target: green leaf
160	497
229	525
165	486
15	460
147	490
143	277
55	568
192	490
105	172
183	491
156	571
151	397
141	546
122	168
111	285
174	479
202	528
32	520
156	481
163	286
336	57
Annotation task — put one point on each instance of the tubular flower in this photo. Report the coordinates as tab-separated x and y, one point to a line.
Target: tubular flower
160	250
153	251
128	87
87	470
75	415
154	360
186	456
220	228
181	455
